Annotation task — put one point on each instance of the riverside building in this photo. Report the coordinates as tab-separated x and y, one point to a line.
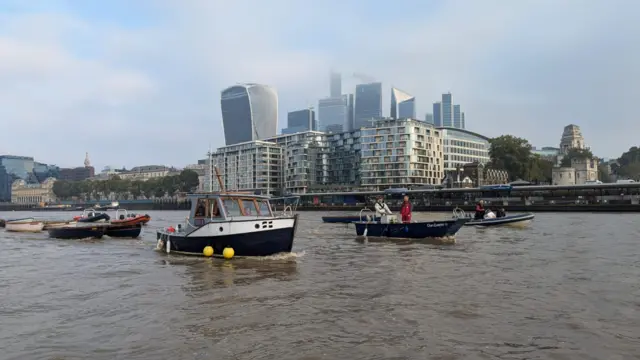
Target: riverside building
400	153
463	147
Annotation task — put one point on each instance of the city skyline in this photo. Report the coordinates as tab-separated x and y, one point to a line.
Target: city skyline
74	69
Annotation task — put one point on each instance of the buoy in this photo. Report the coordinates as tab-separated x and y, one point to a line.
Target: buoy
365	231
228	253
208	251
168	246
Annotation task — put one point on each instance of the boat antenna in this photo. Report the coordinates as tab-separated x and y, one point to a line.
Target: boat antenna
210	169
219	179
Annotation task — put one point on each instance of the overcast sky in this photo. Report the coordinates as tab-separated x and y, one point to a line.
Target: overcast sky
138	82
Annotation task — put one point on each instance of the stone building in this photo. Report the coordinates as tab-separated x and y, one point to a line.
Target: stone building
580	172
478	174
24	193
571	139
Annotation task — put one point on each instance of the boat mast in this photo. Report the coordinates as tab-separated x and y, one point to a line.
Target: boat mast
210	170
219	179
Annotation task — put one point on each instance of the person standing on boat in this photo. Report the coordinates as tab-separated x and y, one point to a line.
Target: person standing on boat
479	210
405	211
381	207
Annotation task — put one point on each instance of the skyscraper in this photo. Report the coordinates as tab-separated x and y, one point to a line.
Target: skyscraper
301	120
335	85
457	119
428	118
437	114
368	104
403	105
334	113
462	120
249	112
447	110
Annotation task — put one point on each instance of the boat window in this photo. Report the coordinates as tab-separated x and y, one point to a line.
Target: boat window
249	207
201	208
264	208
232	207
214	210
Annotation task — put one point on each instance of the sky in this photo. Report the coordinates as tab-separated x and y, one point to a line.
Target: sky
139	82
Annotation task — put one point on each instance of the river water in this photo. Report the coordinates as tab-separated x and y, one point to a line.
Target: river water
566	288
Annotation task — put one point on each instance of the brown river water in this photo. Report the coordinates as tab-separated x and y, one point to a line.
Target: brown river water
568	287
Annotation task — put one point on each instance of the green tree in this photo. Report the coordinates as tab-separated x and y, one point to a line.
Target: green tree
511	154
603	173
189	180
539	169
62	189
135	188
628	164
169	184
576	154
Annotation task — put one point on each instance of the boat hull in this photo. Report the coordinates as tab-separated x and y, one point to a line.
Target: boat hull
417	230
3	223
124	231
140	219
52	224
27	227
77	232
245	243
344	219
518	221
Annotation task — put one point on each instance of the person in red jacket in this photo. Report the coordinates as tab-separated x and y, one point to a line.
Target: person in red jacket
405	211
480	211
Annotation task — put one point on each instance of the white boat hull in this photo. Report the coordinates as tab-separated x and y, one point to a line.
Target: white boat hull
27	227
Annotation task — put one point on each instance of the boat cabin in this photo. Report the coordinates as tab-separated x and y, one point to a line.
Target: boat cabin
216	207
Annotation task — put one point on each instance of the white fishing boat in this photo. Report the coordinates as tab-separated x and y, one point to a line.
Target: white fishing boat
25	226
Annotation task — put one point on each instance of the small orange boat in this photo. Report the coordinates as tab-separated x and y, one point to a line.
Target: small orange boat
124	218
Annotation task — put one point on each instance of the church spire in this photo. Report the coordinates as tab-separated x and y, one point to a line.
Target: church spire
87	163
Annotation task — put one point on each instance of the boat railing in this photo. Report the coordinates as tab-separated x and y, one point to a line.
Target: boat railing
90	212
289	208
368	217
124	211
458	213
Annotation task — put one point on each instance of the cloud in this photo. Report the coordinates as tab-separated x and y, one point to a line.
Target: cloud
142	86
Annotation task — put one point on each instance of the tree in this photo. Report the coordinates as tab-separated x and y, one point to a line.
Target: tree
62	190
135	189
512	154
576	154
189	180
603	173
628	164
539	169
